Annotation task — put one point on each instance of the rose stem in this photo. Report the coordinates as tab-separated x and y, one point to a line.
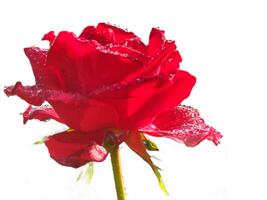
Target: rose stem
117	173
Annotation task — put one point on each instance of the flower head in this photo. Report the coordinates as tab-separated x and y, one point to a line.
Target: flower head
107	85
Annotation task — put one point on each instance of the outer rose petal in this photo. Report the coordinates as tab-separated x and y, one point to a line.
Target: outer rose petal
31	94
167	97
42	113
184	124
37	58
77	111
83	114
75	149
43	76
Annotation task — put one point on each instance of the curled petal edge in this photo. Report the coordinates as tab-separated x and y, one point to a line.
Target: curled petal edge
50	36
42	113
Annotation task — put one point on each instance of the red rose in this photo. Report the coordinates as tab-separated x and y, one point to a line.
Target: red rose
107	80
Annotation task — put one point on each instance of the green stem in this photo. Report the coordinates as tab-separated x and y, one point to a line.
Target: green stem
117	173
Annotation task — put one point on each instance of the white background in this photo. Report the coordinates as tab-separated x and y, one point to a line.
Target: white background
223	43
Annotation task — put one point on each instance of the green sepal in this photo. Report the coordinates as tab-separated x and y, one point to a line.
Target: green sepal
79	176
149	145
135	142
89	172
42	141
160	181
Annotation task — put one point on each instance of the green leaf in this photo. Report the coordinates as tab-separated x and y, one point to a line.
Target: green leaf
89	172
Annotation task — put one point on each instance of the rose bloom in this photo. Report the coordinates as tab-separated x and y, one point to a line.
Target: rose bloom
109	87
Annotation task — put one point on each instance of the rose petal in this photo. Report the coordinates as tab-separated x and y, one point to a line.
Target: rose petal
42	113
136	109
43	76
83	114
162	98
74	149
170	63
37	58
156	42
164	63
183	124
163	52
136	44
83	66
150	97
132	54
108	34
31	94
50	36
103	37
120	35
77	111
